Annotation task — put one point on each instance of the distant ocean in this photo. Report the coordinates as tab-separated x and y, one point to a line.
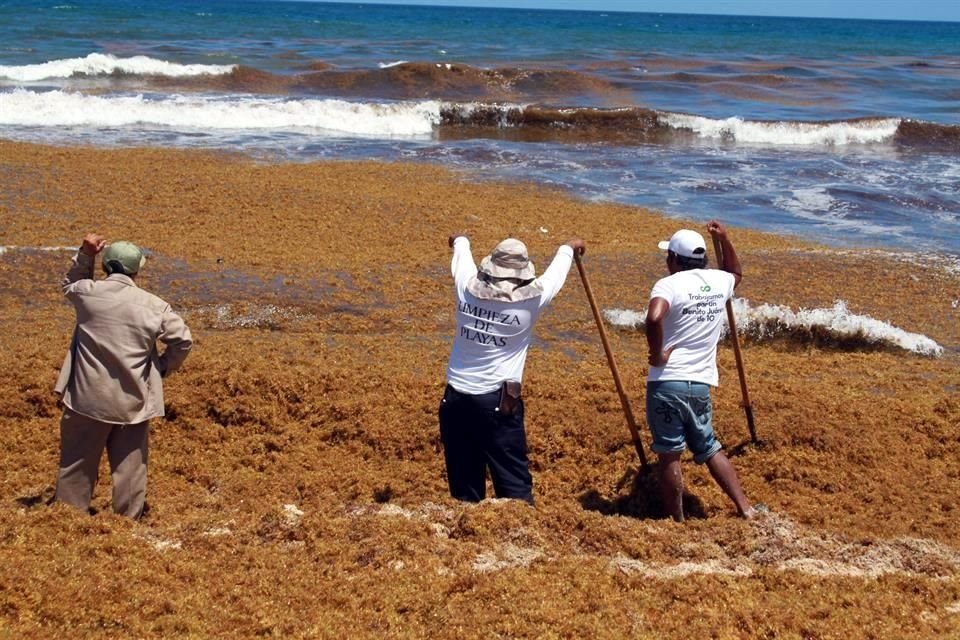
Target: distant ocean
842	131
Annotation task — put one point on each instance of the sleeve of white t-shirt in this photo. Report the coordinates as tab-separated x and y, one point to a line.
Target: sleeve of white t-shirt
462	266
663	289
556	274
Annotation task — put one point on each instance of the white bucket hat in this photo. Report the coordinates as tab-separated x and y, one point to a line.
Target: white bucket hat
506	275
509	259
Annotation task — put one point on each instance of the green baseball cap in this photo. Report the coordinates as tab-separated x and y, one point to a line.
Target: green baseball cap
123	257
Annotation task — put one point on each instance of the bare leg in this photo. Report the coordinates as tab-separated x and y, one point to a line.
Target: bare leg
726	476
671	484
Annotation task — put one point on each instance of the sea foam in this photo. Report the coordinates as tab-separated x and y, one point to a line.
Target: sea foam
786	133
59	108
835	324
103	64
5	248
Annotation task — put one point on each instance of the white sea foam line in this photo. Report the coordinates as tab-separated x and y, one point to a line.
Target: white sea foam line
159	543
782	545
59	108
104	63
680	570
507	556
814	203
291	515
768	321
786	547
786	133
4	249
426	511
215	532
226	316
931	260
387	65
813	199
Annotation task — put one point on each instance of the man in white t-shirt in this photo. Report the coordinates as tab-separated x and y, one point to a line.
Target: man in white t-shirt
481	414
684	321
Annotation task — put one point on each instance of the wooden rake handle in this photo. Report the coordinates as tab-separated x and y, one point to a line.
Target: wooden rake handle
731	320
624	402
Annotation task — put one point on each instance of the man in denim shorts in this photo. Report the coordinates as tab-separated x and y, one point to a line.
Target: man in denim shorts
684	321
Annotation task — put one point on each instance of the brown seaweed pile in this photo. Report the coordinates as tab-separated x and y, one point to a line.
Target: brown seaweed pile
296	482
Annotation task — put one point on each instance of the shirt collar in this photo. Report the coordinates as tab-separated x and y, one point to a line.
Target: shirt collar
121	278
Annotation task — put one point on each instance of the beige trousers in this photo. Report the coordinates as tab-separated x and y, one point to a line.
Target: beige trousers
82	441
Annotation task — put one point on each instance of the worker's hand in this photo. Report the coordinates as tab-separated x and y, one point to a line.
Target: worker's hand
716	229
92	244
660	359
579	246
454	236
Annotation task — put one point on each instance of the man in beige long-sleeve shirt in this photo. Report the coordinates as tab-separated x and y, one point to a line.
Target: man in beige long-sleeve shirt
111	380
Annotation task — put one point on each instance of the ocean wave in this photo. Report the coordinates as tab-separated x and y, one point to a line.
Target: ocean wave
640	125
863	131
628	123
59	108
252	109
756	80
97	64
929	135
834	327
400	80
452	81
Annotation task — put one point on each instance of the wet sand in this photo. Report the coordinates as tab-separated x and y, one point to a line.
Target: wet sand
296	483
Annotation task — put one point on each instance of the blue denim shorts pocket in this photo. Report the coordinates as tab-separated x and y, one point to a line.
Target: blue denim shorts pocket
680	415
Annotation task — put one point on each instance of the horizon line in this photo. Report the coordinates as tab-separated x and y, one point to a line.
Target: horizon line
442	5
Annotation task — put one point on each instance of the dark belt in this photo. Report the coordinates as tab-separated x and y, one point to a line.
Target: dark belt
506	399
450	391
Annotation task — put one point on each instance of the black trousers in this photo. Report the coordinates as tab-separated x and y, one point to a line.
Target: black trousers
477	437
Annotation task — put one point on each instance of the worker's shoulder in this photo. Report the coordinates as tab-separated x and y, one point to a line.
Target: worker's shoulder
128	293
152	301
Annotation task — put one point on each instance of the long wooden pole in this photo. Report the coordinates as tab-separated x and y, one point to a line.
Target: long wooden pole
627	411
731	320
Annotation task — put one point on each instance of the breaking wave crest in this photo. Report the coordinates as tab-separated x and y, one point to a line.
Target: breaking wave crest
834	327
864	131
59	108
264	104
639	125
97	64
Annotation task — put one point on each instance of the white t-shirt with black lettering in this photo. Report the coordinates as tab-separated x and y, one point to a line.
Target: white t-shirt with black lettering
490	346
693	324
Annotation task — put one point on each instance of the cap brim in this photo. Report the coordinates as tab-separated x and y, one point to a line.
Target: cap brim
663	245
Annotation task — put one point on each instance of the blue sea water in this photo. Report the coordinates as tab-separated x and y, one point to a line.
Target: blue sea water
844	131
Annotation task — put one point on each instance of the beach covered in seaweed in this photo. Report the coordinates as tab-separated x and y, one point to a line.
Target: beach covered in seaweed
296	483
